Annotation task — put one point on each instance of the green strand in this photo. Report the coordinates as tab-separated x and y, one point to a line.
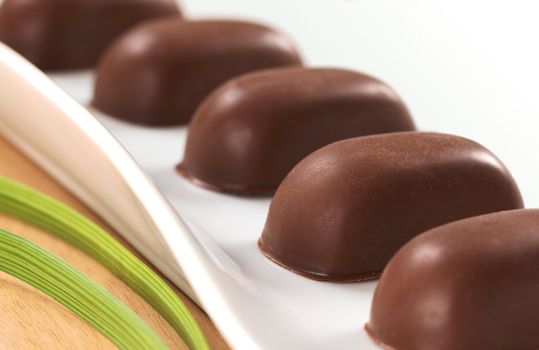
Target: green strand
51	275
50	215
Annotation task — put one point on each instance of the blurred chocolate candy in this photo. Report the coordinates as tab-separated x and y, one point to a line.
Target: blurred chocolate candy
72	34
159	72
468	285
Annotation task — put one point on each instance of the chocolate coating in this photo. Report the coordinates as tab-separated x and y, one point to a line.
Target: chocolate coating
72	34
469	285
158	73
343	211
249	133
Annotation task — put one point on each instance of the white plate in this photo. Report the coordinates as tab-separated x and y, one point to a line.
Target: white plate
281	309
457	77
255	303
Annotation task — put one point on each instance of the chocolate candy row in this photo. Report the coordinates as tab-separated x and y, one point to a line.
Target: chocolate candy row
357	190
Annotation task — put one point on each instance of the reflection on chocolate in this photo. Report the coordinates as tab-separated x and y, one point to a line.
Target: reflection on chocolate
158	73
72	34
343	211
469	285
249	133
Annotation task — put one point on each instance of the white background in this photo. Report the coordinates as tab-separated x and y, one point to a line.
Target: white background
465	67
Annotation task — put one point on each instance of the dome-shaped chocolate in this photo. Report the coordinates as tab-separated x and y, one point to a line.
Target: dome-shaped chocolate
72	34
249	133
158	73
343	211
468	285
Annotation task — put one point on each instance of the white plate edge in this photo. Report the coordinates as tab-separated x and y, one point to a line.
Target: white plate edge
188	253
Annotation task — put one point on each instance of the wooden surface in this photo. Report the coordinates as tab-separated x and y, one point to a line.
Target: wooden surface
31	320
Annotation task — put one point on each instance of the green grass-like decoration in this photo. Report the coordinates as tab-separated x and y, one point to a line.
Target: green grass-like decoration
51	275
34	207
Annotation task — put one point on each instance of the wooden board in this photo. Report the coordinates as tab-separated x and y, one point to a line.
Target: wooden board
31	320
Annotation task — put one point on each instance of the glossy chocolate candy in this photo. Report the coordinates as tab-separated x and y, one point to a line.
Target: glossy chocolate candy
158	73
343	211
468	285
249	133
72	34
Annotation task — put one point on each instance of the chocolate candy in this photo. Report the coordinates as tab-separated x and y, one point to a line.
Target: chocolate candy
343	211
72	34
158	73
469	285
254	129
